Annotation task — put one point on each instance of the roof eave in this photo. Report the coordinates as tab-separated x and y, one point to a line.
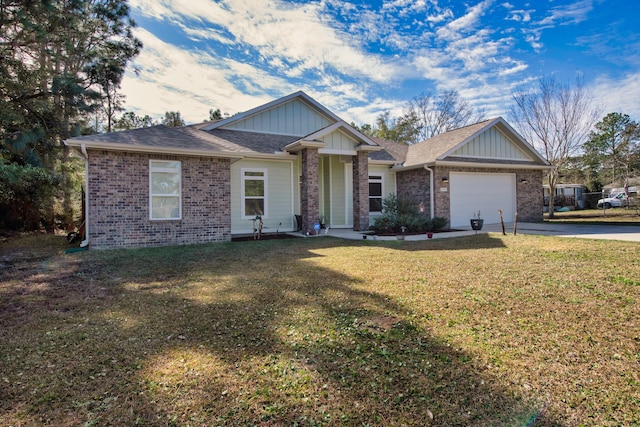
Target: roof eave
390	163
270	156
368	148
301	144
153	150
488	165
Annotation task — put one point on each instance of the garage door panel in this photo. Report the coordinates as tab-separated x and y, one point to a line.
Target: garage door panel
484	192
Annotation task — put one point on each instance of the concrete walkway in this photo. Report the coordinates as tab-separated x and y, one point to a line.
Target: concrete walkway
586	231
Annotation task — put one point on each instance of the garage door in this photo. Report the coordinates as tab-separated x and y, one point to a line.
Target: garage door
484	192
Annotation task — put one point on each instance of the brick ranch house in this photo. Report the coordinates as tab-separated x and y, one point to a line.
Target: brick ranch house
290	158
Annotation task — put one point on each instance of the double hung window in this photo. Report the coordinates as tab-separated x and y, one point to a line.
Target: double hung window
165	189
375	193
254	193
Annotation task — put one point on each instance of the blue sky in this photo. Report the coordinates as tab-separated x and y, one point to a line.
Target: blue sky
361	58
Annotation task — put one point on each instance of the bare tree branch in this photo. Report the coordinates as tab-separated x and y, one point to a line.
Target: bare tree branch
556	118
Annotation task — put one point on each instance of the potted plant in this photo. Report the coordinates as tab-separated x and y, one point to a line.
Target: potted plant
476	222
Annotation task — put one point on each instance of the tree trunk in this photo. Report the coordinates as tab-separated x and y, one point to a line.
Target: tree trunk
552	194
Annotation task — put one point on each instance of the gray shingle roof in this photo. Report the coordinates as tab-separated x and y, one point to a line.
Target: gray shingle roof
432	148
190	138
396	150
227	142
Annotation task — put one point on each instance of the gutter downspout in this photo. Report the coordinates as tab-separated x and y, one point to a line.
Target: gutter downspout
431	194
85	155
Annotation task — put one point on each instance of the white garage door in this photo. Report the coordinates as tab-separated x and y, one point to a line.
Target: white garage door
484	192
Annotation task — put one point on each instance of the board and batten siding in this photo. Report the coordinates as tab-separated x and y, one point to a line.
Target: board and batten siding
339	210
332	204
281	195
491	144
338	141
295	118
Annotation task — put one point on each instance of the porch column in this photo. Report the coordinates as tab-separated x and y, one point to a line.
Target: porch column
361	191
310	192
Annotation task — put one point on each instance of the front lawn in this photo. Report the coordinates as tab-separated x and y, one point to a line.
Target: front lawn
620	216
481	330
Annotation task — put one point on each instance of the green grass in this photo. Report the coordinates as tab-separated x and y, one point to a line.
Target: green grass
482	330
615	216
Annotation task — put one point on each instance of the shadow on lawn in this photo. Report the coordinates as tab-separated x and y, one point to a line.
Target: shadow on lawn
230	334
477	241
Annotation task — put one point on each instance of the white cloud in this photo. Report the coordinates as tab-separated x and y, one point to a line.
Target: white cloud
466	23
192	82
619	94
345	62
297	33
369	112
404	7
519	15
568	14
440	16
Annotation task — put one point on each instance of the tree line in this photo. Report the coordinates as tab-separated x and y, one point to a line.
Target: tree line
62	64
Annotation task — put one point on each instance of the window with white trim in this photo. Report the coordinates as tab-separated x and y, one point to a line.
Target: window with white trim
165	189
375	194
254	193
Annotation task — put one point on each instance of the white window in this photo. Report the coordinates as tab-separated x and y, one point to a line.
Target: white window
254	193
165	189
375	193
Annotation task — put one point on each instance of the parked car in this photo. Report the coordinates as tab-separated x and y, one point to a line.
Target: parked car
616	201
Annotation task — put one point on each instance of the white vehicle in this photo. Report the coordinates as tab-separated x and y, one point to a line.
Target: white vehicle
616	201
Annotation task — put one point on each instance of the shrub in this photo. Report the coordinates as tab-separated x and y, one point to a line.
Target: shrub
436	223
398	212
26	196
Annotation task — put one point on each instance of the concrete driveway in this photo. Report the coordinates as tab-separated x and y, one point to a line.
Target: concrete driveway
585	231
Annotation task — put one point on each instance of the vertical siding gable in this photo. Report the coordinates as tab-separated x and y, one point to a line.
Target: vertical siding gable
339	141
291	118
491	144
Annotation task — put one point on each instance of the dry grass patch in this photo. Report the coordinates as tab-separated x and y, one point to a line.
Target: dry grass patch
620	216
483	330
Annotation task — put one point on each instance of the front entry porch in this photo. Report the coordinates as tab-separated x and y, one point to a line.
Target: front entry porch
334	190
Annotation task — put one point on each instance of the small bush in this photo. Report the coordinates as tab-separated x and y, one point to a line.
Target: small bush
437	223
398	213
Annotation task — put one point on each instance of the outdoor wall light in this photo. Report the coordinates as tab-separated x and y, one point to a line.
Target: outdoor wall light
445	179
523	181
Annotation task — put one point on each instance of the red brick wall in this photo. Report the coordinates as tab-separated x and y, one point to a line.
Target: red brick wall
414	186
361	191
310	192
119	202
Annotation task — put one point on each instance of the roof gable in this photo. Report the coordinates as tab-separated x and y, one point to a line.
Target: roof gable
338	138
297	114
487	140
493	144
